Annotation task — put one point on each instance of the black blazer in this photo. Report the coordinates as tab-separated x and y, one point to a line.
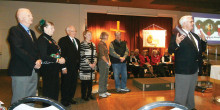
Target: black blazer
24	52
70	53
187	57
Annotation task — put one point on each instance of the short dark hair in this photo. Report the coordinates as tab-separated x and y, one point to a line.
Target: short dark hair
103	34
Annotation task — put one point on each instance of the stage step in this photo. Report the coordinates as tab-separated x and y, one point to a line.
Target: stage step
151	84
165	83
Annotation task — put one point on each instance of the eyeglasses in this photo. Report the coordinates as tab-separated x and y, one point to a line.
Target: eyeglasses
72	31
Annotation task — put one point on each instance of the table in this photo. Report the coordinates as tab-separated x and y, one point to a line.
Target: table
215	78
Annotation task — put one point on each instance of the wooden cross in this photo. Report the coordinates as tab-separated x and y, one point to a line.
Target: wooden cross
118	27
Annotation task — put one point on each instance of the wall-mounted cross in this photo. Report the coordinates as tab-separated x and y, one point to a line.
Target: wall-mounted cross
118	27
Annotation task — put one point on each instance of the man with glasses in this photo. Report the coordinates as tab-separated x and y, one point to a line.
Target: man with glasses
70	50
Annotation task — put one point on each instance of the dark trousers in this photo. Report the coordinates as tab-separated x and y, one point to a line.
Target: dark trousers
86	88
136	70
68	85
50	75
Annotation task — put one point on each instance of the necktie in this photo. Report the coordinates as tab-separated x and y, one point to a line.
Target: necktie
192	39
74	43
29	32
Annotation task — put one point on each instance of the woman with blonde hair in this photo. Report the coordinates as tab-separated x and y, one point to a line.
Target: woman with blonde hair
87	65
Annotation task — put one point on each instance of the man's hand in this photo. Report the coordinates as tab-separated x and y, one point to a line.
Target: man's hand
109	64
37	64
179	38
202	36
64	71
122	59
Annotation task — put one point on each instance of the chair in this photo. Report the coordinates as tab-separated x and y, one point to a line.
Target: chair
162	104
20	104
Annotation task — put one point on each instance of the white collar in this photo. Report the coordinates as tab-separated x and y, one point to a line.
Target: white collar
71	38
187	32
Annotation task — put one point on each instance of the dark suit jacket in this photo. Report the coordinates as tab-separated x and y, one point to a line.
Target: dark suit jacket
70	53
187	57
24	52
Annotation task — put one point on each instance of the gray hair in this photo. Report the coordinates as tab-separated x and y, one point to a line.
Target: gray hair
117	33
184	19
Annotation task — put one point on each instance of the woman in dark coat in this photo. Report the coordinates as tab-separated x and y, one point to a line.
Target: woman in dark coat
50	55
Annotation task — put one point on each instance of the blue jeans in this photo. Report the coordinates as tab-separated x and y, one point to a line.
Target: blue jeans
120	68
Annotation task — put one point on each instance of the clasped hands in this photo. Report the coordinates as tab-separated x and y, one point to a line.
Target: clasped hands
39	62
92	65
122	59
61	60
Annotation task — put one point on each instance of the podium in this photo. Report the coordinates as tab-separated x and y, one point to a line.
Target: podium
215	79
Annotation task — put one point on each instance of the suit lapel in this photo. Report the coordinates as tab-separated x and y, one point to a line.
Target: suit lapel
198	39
27	36
71	43
188	40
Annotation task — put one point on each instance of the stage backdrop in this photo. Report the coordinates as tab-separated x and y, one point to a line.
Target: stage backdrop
131	25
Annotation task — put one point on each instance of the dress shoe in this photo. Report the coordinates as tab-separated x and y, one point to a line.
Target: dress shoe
86	99
66	104
194	109
73	102
91	97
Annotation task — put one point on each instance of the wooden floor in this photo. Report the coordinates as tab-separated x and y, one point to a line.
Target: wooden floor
119	101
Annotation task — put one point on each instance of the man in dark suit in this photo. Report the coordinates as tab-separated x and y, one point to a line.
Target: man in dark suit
24	57
188	50
70	50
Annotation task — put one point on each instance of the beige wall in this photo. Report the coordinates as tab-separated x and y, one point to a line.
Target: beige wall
63	15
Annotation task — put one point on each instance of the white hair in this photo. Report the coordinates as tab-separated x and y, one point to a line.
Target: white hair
184	19
68	27
21	13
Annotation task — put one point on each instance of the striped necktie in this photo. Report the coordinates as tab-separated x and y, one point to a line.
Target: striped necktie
29	32
192	39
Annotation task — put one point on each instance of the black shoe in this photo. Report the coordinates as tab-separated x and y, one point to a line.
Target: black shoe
194	109
86	99
91	97
66	104
73	102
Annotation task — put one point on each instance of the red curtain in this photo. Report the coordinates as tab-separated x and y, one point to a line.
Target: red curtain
132	25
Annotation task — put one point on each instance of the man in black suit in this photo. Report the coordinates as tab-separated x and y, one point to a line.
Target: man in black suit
24	57
70	50
188	50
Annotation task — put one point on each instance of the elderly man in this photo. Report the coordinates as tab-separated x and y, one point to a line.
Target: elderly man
70	47
118	52
24	57
188	50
